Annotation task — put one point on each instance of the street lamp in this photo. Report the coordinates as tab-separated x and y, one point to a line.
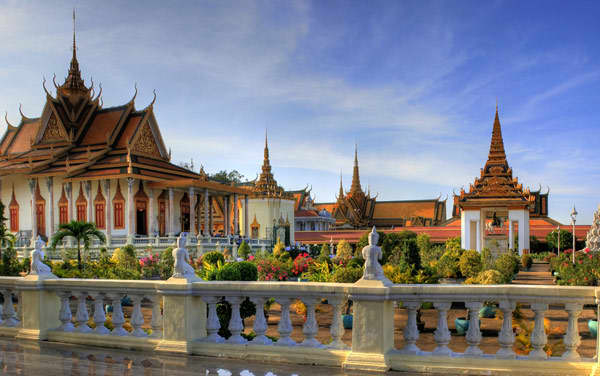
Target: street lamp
573	215
558	242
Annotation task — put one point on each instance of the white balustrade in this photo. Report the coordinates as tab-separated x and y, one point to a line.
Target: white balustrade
260	322
212	322
572	338
65	315
99	314
337	326
118	319
236	325
411	331
82	315
137	318
442	333
539	339
311	328
285	323
157	317
9	317
506	336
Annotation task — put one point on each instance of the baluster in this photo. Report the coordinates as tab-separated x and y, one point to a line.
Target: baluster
1	315
99	315
20	307
99	365
118	319
82	315
8	312
157	317
442	334
311	327
538	337
473	333
572	338
236	325
337	326
411	331
212	323
260	322
285	324
506	337
65	311
137	319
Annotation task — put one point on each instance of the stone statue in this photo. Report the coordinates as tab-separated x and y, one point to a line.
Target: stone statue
593	236
182	269
372	254
37	266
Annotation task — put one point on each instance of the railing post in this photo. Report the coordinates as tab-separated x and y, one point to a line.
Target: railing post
442	334
411	331
473	333
184	316
572	338
539	339
506	337
40	307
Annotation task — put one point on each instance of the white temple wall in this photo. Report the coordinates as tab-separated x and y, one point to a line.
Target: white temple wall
267	210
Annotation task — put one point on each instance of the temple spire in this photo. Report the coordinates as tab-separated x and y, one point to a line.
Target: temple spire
355	187
497	154
73	82
341	193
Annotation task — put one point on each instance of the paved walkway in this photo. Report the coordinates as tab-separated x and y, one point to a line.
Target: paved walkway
538	274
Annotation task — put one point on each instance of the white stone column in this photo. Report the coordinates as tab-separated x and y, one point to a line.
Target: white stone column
151	215
171	212
442	334
510	234
506	336
107	212
572	338
32	183
205	232
479	237
130	210
411	331
87	187
246	223
192	195
69	192
50	186
236	215
226	228
210	216
539	338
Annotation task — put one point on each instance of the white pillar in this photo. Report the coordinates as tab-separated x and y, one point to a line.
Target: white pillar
226	228
151	219
246	222
479	237
205	232
32	183
130	211
107	212
236	215
87	187
50	185
210	216
171	212
510	234
192	195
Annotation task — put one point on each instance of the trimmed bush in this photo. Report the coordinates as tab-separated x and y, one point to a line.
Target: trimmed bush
166	263
235	271
470	263
506	265
213	258
344	251
526	261
397	239
125	257
407	252
325	251
486	277
244	250
448	266
347	275
487	260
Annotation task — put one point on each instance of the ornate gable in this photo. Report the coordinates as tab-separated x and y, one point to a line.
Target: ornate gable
145	143
53	130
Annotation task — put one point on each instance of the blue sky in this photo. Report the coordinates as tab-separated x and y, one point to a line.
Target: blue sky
414	83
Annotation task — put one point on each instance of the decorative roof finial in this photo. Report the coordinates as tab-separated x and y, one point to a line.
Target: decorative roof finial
341	193
74	44
355	187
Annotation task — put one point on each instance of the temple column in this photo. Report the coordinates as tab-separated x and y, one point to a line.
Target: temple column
192	194
236	215
205	232
130	211
226	229
107	212
32	183
510	234
50	186
87	187
478	241
210	216
246	223
171	212
69	192
151	218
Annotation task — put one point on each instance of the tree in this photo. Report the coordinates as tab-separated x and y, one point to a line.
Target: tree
394	240
82	231
566	240
7	239
225	177
364	241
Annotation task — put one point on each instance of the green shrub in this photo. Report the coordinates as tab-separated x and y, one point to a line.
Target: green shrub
364	240
347	275
125	257
452	243
448	266
356	263
526	261
487	260
244	250
396	239
486	277
344	251
506	264
566	240
432	256
325	251
166	263
213	258
407	252
470	263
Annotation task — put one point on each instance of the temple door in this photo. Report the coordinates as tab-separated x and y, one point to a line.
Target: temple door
41	218
141	217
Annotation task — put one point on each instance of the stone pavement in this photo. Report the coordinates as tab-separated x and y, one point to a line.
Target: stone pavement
538	274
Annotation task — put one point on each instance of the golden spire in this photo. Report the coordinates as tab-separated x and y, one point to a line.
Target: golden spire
497	154
73	82
266	167
266	185
341	193
355	187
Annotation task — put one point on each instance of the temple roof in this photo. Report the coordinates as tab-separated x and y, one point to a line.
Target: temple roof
496	185
266	186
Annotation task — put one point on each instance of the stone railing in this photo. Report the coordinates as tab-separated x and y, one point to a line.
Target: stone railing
184	319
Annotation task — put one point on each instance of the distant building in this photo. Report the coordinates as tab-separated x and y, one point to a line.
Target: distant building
307	217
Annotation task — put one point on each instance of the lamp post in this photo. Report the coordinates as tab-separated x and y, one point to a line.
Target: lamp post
573	215
558	242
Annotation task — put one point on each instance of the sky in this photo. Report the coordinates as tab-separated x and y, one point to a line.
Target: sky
413	83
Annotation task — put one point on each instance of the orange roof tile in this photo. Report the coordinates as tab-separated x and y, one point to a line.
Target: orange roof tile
128	130
103	125
25	134
404	209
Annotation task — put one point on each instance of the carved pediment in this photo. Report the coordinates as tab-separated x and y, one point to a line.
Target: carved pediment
54	130
145	143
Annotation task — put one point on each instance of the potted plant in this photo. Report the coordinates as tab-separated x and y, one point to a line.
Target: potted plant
347	317
593	326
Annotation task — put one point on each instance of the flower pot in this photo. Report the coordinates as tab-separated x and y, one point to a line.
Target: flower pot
487	312
593	326
462	325
347	321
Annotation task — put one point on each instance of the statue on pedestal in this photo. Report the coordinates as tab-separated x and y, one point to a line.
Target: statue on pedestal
593	236
37	266
181	268
372	254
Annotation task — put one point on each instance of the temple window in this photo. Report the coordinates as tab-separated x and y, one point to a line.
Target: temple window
63	208
81	205
40	211
100	208
185	212
118	208
13	209
254	227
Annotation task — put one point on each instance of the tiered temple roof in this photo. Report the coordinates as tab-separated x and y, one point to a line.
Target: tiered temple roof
496	185
266	186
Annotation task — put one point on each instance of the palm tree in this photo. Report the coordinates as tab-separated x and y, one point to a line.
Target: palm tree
7	239
82	231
